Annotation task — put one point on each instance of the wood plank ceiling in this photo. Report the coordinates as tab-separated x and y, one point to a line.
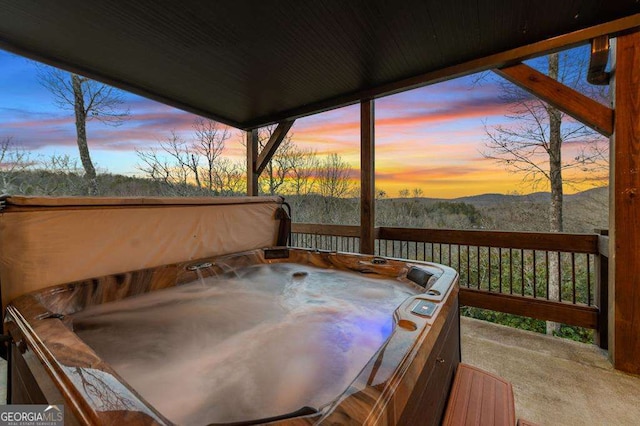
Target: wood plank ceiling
249	63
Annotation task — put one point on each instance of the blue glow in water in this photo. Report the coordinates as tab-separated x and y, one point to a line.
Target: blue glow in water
375	325
387	328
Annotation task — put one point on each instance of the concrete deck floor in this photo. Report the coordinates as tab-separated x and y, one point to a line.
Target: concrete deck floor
555	381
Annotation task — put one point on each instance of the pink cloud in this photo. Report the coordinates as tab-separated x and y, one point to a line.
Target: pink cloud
148	123
475	107
414	174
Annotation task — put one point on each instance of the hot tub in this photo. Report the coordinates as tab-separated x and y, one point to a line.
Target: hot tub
284	335
277	335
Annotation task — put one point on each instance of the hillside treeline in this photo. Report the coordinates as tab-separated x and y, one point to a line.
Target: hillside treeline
585	211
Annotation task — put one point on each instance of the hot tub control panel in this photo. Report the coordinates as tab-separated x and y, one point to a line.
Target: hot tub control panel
424	308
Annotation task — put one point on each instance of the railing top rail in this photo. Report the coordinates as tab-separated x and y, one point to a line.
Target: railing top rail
564	242
576	243
324	229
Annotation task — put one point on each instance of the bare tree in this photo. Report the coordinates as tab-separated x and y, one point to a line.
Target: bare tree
171	164
13	160
23	173
58	174
185	166
89	100
229	177
333	181
409	208
334	177
404	193
533	145
208	144
304	167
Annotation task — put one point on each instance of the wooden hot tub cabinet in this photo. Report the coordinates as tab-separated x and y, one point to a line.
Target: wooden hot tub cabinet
406	382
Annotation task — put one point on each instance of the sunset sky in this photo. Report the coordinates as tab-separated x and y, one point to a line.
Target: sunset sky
429	138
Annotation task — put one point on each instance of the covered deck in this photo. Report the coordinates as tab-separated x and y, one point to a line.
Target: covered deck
555	381
273	63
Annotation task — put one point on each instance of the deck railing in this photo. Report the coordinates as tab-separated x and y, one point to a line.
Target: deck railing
548	276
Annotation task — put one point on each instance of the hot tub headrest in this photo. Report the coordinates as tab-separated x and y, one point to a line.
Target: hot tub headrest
46	241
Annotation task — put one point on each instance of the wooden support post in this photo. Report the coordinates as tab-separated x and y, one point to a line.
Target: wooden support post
252	159
624	211
367	177
577	105
602	289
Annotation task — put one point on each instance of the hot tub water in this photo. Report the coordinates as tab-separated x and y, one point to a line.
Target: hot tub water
262	341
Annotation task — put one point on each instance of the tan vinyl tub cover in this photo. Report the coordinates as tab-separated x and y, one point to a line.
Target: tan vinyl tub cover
48	241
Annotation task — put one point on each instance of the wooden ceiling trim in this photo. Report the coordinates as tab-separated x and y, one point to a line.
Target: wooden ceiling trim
582	108
498	60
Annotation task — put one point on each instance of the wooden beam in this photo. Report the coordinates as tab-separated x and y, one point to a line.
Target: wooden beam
576	243
597	74
272	145
496	60
566	99
565	313
603	243
322	229
252	158
624	211
367	177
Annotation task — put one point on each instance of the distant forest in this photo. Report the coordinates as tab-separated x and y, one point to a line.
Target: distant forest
584	211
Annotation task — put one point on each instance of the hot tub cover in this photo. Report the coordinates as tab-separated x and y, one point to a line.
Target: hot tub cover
46	241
